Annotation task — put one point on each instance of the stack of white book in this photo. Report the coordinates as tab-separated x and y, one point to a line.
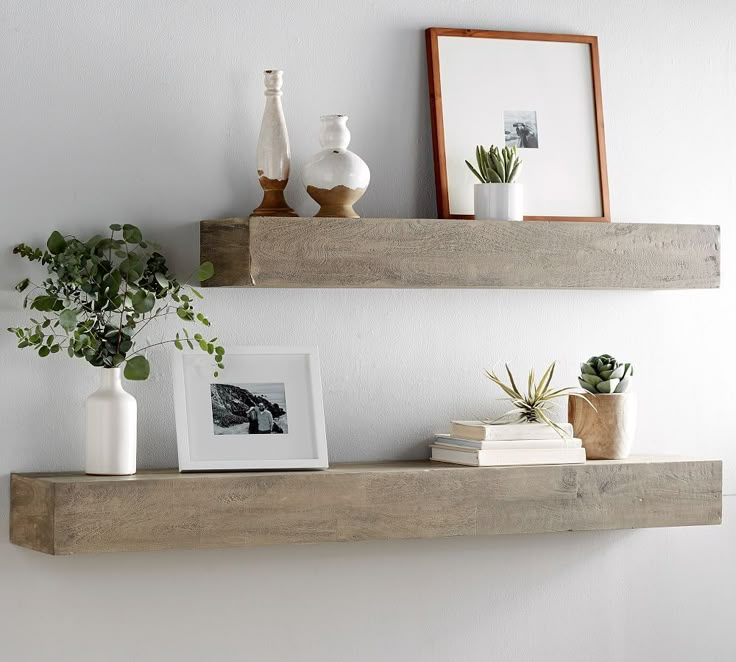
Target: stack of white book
479	444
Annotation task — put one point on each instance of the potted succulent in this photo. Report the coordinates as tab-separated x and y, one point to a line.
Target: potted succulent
607	432
98	298
498	197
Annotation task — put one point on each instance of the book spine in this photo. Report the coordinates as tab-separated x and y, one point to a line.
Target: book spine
509	458
511	444
509	432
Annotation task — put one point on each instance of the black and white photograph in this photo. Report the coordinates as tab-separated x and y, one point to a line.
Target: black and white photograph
520	129
239	409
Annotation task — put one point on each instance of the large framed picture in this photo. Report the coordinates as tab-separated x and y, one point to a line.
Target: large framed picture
263	411
538	92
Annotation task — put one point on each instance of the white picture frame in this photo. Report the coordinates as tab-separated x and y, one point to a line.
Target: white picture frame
214	418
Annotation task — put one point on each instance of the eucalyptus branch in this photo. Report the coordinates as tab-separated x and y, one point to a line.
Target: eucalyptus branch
93	282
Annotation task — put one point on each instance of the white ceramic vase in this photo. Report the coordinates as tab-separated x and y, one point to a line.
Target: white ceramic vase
273	156
111	434
336	178
608	431
499	202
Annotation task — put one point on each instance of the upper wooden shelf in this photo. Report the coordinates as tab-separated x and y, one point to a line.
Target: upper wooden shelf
430	253
154	510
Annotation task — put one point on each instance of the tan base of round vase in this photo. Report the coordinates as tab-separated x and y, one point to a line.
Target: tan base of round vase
608	431
336	202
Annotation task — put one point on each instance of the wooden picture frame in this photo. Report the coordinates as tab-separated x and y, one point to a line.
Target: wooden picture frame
433	37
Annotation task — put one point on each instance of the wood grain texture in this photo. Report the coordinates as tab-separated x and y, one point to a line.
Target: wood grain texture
429	253
32	513
70	513
225	244
438	132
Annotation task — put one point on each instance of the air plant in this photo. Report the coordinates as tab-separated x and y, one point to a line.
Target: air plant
604	374
533	406
496	166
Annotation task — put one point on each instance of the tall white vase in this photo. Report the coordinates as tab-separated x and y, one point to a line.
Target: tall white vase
111	435
499	202
336	178
273	157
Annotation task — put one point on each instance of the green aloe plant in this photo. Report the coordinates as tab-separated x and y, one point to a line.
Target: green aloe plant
101	294
604	374
496	166
533	406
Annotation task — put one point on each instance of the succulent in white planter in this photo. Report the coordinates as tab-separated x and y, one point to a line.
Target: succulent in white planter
499	196
607	432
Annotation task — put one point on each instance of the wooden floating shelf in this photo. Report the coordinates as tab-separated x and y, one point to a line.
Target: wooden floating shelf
430	253
73	513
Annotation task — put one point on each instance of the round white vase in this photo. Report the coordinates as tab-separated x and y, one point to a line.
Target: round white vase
111	431
336	178
499	202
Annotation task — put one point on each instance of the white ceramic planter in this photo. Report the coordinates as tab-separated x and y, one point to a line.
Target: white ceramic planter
111	434
499	202
608	431
336	178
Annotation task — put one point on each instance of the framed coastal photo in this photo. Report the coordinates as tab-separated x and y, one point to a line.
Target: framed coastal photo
263	411
540	93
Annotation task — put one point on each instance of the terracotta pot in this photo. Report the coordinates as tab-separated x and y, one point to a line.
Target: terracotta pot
608	431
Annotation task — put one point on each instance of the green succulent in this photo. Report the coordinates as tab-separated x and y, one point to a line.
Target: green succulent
496	166
604	374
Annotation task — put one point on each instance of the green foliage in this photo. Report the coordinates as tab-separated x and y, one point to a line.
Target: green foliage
533	406
496	166
604	374
101	294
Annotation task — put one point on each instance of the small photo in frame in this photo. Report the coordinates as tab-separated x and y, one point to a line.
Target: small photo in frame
263	411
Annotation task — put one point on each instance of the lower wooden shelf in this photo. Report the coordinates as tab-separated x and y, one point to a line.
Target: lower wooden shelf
156	510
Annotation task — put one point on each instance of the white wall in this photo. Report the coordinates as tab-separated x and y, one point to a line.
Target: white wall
148	113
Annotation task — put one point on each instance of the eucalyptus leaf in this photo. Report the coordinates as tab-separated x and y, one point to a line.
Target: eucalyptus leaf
46	303
137	368
132	234
205	272
143	302
68	319
56	243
